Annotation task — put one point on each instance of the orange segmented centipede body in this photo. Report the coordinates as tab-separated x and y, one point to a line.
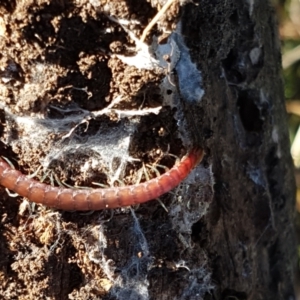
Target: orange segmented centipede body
97	199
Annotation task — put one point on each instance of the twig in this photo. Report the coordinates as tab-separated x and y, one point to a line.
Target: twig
155	19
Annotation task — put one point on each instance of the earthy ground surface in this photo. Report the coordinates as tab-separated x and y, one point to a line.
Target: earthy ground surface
63	88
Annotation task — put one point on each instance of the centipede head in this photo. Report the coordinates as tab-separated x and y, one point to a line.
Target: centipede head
198	154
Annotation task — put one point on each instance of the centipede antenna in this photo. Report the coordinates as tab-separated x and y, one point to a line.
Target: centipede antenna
9	162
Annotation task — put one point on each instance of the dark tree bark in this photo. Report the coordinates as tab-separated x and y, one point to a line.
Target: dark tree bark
248	232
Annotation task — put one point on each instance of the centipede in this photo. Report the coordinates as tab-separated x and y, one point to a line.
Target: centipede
100	198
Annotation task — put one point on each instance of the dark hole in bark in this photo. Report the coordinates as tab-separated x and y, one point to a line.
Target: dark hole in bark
249	112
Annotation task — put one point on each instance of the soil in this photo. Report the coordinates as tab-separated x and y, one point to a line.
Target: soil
60	60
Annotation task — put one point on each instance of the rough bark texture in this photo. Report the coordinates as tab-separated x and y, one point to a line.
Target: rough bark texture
228	233
248	232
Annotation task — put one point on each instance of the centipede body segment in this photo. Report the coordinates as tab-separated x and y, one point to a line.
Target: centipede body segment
97	199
